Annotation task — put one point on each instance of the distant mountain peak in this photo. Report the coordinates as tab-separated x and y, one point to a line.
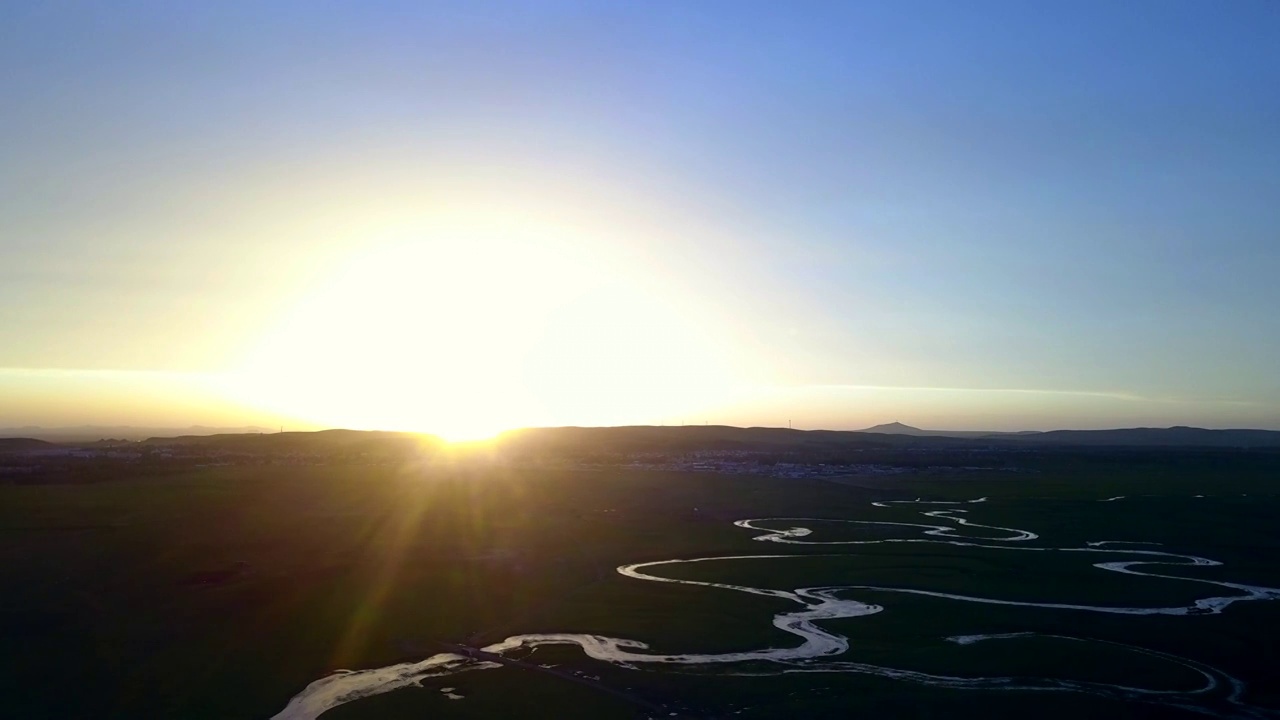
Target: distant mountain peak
894	427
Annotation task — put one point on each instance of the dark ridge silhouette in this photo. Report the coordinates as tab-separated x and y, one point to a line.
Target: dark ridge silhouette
722	437
318	442
1180	436
90	433
641	438
597	441
22	444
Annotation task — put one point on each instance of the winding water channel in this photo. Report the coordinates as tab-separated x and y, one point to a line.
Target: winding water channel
818	651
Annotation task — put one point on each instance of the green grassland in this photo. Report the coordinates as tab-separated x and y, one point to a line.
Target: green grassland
222	592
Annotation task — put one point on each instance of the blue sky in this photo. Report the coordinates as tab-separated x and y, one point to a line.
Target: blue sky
865	211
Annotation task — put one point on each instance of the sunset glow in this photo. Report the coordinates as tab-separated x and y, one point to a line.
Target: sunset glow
608	359
466	333
373	220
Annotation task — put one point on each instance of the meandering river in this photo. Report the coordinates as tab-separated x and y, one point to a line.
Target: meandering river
818	651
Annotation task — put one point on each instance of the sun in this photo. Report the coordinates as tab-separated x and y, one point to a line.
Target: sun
468	335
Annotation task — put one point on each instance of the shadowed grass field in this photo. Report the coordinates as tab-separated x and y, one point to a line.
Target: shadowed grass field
220	593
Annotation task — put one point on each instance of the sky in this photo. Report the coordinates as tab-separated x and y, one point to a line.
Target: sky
464	217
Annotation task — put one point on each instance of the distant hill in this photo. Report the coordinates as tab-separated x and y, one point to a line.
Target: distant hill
92	433
593	441
320	442
893	435
674	438
8	445
1180	436
897	428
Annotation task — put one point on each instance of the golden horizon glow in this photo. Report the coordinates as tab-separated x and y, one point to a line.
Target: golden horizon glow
464	332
